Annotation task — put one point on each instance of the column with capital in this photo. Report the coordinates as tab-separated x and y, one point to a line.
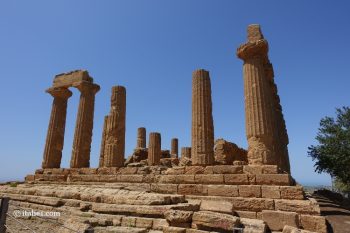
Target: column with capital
55	133
257	95
84	124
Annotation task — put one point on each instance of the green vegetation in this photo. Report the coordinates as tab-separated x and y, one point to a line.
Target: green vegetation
332	154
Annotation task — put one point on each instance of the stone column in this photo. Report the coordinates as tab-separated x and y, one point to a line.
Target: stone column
55	133
141	138
186	152
202	119
258	110
103	142
174	147
115	130
282	140
83	129
154	149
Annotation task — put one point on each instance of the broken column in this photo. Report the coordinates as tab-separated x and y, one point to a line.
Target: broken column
202	119
115	129
174	147
55	133
257	94
83	129
141	138
103	147
154	149
186	152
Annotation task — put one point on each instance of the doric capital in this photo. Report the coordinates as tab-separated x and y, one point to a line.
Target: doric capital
59	92
87	87
257	49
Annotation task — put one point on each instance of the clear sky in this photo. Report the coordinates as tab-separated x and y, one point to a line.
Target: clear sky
151	48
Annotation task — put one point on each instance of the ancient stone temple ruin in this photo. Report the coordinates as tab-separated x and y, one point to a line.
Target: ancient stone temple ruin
212	186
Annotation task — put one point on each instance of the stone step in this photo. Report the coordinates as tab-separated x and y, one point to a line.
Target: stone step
217	169
92	194
231	179
112	229
308	206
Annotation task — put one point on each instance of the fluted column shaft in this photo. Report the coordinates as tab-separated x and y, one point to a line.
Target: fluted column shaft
258	110
103	142
202	119
141	138
154	149
55	133
174	147
186	152
84	124
115	130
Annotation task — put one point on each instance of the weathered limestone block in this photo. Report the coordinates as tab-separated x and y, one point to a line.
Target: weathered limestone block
205	220
223	169
178	216
274	179
252	204
249	190
240	179
216	206
227	152
55	133
68	79
202	120
276	220
194	170
141	138
115	129
299	206
185	156
138	155
174	230
164	188
174	147
83	130
268	191
292	192
290	229
313	223
144	223
223	190
192	189
253	225
154	149
209	179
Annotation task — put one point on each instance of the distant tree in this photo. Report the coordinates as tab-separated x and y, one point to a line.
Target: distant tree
332	154
341	187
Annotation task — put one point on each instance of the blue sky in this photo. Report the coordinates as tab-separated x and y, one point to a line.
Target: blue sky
151	48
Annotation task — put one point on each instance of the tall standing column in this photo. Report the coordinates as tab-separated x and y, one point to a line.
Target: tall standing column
115	129
55	133
103	143
174	147
202	119
258	108
141	138
83	129
154	149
